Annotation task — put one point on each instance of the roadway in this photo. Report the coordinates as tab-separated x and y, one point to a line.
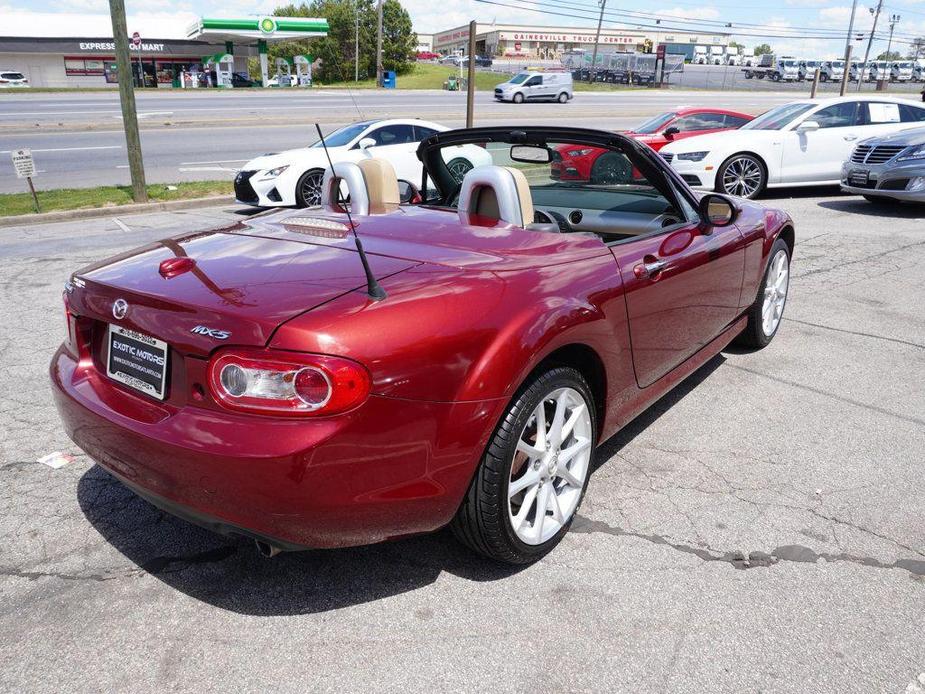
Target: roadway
77	139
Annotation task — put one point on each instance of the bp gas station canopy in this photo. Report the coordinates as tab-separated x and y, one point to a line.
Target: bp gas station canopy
259	30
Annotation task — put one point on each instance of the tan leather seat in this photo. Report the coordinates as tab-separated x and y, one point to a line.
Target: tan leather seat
497	192
381	185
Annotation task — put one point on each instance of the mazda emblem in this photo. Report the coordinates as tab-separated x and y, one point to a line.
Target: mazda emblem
119	309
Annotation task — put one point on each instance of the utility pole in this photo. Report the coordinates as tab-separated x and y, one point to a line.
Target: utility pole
379	48
470	84
127	97
894	20
844	82
356	47
870	42
597	40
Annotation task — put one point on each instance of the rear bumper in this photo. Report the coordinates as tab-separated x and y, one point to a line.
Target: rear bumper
390	468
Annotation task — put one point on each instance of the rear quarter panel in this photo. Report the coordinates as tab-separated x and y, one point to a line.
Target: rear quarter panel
457	336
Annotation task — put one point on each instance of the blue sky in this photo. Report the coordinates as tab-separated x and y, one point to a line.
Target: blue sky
156	17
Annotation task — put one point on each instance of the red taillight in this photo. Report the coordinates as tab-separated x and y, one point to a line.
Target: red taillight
286	383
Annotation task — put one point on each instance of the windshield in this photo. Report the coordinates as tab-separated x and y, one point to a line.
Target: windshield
344	136
517	79
838	63
777	118
790	63
655	124
12	75
618	193
904	64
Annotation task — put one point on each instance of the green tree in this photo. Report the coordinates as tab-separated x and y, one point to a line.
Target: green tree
762	49
337	51
891	55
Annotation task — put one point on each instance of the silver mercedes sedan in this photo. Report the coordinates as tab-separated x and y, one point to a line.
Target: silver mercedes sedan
888	167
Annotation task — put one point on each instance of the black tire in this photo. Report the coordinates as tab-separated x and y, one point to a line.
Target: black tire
563	98
747	162
518	98
823	77
754	335
482	522
458	168
308	189
611	168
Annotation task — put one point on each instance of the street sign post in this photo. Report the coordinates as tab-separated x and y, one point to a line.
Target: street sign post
25	168
136	42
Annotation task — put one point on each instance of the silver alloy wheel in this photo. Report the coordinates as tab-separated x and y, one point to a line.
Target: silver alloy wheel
310	189
550	466
742	177
775	292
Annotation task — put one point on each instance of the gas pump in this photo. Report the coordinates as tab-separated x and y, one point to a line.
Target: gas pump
284	72
223	64
303	70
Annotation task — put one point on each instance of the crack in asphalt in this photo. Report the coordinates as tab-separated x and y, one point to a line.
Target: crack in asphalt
858	333
742	561
841	398
154	566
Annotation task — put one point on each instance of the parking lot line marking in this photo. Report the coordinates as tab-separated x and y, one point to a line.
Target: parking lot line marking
217	161
122	225
66	149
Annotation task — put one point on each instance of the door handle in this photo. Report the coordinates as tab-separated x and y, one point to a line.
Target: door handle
648	270
851	138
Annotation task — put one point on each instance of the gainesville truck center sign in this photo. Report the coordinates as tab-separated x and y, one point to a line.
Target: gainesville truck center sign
569	38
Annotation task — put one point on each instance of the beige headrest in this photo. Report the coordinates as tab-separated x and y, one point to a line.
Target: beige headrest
523	192
496	192
381	185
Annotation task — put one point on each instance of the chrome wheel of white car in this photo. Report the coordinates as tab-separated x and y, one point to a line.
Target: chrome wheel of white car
308	189
775	292
550	466
742	175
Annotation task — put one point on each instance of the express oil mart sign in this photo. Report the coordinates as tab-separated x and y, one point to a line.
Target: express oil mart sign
111	46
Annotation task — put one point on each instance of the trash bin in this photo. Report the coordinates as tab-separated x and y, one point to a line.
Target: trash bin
388	79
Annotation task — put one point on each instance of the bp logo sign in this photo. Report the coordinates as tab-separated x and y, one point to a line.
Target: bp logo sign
267	25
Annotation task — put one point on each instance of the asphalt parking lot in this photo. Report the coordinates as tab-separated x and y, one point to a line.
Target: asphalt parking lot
760	529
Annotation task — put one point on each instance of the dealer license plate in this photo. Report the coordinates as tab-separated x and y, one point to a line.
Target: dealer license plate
859	178
137	360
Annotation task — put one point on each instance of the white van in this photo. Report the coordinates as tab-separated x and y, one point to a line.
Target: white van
536	85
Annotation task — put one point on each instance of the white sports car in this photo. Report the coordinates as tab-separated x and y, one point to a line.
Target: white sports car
294	177
798	144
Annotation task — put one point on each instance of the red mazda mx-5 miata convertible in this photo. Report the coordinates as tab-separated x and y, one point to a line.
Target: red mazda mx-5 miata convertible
257	380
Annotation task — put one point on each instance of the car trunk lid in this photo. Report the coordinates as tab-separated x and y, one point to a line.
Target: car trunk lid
245	286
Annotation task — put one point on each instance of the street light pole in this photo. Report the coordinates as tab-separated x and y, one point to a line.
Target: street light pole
597	40
870	41
356	47
844	82
894	20
127	98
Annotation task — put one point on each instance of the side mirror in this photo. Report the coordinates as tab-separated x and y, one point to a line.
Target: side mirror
408	193
366	143
807	126
671	131
717	210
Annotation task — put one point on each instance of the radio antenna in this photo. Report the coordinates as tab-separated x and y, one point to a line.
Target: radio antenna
375	292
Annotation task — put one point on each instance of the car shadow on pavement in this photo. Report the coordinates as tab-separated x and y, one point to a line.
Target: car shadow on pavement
230	574
886	210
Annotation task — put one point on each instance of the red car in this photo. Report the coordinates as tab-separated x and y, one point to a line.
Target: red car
587	164
275	379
